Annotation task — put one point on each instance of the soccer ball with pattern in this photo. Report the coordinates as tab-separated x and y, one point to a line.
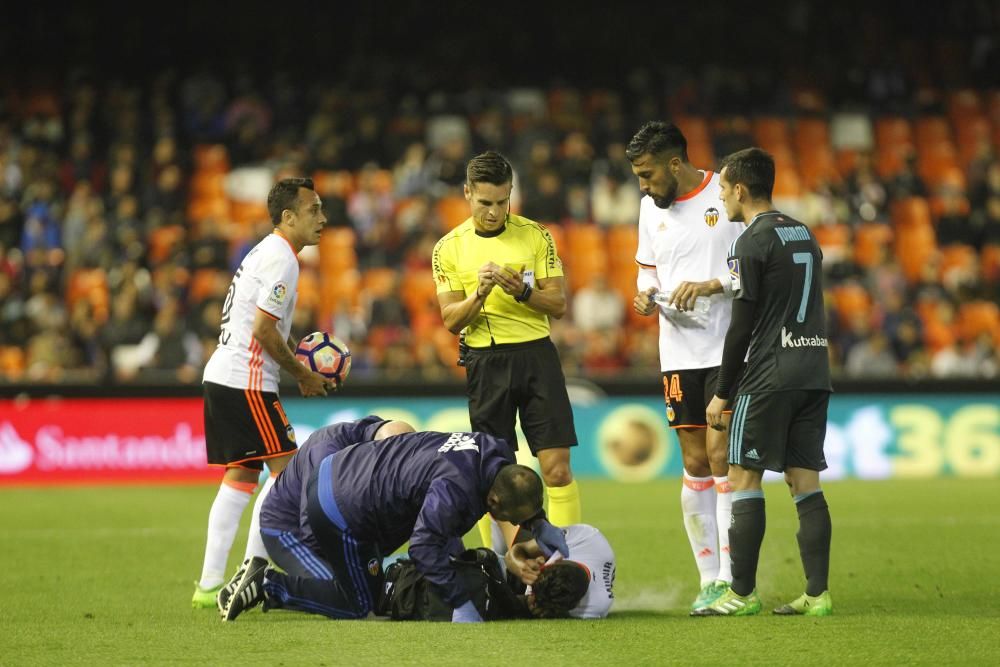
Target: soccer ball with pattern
326	355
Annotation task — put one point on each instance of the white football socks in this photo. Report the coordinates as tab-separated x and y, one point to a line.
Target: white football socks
698	505
723	517
223	522
255	544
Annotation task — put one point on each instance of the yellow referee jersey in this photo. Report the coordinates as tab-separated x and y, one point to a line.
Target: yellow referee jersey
523	242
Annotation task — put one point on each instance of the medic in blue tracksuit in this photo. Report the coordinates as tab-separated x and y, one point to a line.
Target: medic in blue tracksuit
368	499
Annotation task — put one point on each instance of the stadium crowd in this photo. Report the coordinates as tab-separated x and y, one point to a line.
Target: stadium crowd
124	211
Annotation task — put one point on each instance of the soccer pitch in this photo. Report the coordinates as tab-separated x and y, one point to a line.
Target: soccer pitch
103	576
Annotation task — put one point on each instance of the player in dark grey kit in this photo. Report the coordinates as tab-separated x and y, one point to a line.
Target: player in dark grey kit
779	413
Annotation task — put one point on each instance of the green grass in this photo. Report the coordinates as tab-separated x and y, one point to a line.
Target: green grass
103	576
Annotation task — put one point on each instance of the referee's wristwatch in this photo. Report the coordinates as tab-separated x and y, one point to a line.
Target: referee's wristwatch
525	295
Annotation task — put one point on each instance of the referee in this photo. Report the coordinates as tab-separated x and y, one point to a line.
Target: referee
499	278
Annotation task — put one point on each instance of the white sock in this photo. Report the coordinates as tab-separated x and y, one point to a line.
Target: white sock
255	544
698	505
223	521
723	517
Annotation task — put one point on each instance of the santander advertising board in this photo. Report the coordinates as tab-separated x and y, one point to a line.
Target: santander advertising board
103	441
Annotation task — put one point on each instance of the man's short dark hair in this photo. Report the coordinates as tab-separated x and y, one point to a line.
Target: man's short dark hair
489	167
752	168
285	196
558	589
656	138
518	486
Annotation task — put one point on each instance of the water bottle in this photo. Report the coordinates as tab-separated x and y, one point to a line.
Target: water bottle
702	304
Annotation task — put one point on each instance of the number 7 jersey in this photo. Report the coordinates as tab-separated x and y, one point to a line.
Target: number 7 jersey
267	280
777	264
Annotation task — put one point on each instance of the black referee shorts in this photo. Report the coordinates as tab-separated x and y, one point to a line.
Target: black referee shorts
243	427
520	378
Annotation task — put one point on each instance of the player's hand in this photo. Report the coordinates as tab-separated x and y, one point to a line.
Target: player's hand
510	281
523	566
713	413
487	279
467	613
684	295
315	384
643	302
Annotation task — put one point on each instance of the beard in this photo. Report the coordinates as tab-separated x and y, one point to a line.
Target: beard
668	197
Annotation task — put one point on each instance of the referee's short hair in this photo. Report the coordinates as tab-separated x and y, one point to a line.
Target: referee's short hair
285	196
657	138
753	168
489	167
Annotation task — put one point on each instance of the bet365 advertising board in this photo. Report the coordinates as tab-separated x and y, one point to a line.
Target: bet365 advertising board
153	440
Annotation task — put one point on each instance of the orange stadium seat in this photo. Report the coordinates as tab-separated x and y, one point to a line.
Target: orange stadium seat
915	246
342	288
845	162
622	280
937	205
989	263
849	299
893	132
333	183
623	241
958	257
248	213
938	165
337	250
835	240
163	241
869	240
205	282
911	212
937	334
971	134
378	282
418	291
586	253
452	210
699	139
810	134
962	105
890	160
771	133
211	158
308	289
12	362
205	207
931	130
817	165
786	182
92	285
976	318
208	184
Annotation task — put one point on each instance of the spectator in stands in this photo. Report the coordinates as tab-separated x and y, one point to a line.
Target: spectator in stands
170	351
597	307
954	226
908	183
871	358
11	222
866	192
988	221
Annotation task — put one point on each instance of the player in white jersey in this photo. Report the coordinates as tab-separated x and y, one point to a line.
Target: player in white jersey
589	552
684	241
244	422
